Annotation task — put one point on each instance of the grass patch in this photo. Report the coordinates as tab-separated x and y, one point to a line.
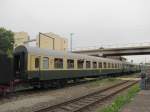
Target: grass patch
133	75
111	79
121	100
102	82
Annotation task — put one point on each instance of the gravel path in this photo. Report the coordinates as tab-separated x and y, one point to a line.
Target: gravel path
37	100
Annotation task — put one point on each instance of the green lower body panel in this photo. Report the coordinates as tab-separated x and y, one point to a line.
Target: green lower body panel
110	71
65	74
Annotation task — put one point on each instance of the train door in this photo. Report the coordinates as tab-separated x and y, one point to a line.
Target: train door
19	64
37	65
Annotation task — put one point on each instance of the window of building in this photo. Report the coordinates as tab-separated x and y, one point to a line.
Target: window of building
88	64
37	62
104	64
45	63
80	63
58	63
116	65
70	63
94	64
100	64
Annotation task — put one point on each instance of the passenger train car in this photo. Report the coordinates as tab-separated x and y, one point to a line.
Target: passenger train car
40	66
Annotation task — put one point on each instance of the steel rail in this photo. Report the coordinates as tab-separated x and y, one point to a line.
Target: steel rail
81	103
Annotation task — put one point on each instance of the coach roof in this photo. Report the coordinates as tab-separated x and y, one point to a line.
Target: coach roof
48	52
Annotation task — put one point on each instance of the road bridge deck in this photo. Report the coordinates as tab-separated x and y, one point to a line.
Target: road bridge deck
139	50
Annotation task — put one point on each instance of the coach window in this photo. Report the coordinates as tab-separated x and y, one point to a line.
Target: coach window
88	64
112	65
100	65
108	65
80	63
104	64
37	62
58	63
45	63
94	65
70	63
120	65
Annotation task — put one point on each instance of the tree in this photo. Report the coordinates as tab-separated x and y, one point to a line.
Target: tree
6	41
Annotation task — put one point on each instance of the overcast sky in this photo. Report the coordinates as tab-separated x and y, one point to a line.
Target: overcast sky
93	22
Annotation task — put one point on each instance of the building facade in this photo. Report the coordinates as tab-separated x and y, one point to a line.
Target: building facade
20	38
52	41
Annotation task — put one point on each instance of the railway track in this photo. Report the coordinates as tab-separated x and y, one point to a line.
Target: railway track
83	102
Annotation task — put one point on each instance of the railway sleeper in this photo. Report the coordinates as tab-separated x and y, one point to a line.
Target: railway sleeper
68	108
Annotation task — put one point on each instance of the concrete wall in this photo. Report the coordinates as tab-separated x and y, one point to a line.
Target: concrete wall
54	43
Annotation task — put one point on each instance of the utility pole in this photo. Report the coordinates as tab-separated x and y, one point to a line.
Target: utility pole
71	34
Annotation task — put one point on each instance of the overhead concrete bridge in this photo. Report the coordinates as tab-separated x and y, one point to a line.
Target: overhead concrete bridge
123	51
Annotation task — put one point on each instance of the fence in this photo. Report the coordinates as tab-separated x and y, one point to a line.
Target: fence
145	78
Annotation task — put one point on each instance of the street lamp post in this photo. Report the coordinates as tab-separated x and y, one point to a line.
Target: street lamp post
71	34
